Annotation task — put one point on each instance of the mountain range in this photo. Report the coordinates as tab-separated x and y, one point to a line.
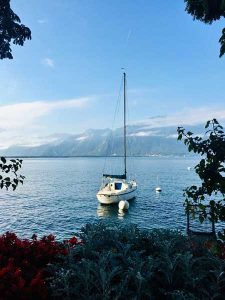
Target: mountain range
141	141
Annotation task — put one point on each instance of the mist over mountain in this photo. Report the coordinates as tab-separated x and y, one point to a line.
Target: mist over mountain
141	141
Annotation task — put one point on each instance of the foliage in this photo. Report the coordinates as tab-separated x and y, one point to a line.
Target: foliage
10	30
11	169
208	11
111	262
210	170
23	265
218	248
124	262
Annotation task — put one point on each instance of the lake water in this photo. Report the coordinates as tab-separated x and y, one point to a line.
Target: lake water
59	195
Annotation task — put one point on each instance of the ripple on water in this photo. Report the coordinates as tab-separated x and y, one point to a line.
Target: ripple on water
59	195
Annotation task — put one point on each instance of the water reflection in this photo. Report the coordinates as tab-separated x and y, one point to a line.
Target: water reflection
158	195
121	213
113	210
107	210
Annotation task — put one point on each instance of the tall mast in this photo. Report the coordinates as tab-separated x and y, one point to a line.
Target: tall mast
124	125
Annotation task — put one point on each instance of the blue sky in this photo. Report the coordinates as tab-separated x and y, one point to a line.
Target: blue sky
67	78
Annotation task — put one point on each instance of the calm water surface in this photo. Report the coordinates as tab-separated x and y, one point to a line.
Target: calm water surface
59	195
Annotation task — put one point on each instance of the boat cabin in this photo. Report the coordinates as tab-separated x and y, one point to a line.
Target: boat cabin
115	185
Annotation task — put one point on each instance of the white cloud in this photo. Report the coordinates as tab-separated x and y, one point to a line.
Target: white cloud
42	21
21	115
174	136
20	124
49	62
145	133
192	116
81	138
33	140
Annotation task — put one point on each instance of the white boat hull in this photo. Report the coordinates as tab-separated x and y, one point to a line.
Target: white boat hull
116	196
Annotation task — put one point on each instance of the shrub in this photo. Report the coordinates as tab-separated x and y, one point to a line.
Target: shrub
124	262
23	265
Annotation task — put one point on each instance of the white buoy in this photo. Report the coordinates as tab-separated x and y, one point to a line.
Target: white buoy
123	205
189	168
158	188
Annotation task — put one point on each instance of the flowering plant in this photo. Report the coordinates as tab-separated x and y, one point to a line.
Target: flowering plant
23	265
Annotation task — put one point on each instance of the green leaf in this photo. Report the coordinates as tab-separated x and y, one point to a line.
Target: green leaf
207	124
3	160
179	137
201	206
189	133
15	180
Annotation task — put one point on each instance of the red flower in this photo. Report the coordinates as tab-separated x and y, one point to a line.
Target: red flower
23	262
73	240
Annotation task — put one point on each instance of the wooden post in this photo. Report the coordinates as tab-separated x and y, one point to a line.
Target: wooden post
213	219
188	221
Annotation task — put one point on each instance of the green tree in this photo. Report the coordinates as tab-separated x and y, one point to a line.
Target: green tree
208	11
210	169
11	30
11	169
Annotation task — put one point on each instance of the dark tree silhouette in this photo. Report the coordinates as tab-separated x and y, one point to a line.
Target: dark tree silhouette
210	169
10	30
208	11
10	168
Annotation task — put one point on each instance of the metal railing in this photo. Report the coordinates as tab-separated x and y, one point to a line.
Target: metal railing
211	221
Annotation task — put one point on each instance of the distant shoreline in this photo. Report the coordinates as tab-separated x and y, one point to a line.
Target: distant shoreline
103	156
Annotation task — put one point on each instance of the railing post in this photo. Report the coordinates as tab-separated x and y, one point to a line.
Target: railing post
213	219
188	220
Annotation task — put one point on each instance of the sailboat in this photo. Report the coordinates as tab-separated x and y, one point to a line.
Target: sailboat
117	187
